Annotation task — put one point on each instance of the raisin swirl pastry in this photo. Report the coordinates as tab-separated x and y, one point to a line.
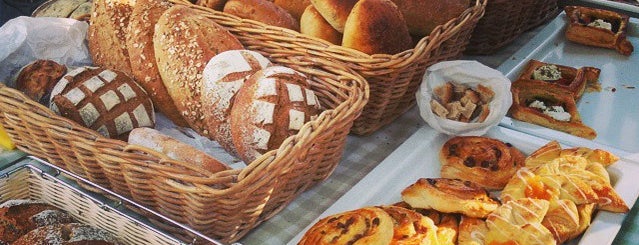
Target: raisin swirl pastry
368	225
486	162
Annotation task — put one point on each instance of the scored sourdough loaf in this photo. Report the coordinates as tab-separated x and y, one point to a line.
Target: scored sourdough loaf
335	12
222	78
142	56
422	16
184	41
313	24
272	105
107	34
262	11
376	27
104	100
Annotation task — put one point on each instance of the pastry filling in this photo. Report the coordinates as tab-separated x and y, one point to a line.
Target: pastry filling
556	112
547	73
599	23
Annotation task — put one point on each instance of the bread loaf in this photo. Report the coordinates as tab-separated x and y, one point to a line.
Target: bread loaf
294	7
376	27
222	78
313	24
59	8
175	149
184	41
104	100
272	105
68	234
212	4
335	12
262	11
142	56
37	79
19	216
422	16
106	34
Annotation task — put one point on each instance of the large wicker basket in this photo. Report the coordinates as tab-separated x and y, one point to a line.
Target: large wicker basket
505	20
225	205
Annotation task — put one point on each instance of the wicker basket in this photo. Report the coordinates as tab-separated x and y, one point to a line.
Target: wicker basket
505	20
225	205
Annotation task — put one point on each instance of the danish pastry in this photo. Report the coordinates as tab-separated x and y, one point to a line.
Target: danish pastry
369	225
519	222
472	231
562	219
411	227
447	224
486	162
599	28
450	196
558	76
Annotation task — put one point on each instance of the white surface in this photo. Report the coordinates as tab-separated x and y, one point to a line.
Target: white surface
614	115
614	5
418	158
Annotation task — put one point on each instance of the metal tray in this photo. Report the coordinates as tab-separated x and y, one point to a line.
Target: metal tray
613	112
418	157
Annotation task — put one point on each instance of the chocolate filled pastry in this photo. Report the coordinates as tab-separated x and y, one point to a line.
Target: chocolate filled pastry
486	162
555	108
599	28
369	225
450	196
576	81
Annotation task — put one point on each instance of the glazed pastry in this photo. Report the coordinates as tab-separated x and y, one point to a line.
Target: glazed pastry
410	227
562	219
447	224
565	77
598	27
486	162
544	154
518	222
472	231
369	225
585	212
553	108
450	196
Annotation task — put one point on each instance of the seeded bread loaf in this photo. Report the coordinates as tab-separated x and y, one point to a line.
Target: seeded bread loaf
19	216
68	234
272	105
263	11
107	34
184	42
313	24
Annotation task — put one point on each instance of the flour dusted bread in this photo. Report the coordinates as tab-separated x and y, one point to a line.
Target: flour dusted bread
313	24
376	27
335	11
107	34
104	100
145	15
184	41
68	234
19	216
263	11
422	16
37	79
273	104
222	78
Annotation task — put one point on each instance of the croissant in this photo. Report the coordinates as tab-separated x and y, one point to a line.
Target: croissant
599	28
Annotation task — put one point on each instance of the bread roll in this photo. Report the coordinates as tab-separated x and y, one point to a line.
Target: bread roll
376	27
142	55
212	4
313	24
335	12
262	11
107	34
294	7
19	216
272	105
175	149
37	79
104	100
184	42
422	16
223	76
68	234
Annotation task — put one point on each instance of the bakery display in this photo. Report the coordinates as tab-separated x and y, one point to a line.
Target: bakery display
599	28
574	80
484	161
38	78
263	11
104	100
462	103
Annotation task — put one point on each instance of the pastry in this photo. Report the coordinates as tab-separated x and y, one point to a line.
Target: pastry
313	24
107	34
519	222
410	227
368	225
263	11
558	76
38	78
472	231
19	216
585	212
487	162
562	219
447	224
450	196
72	233
273	104
552	108
598	27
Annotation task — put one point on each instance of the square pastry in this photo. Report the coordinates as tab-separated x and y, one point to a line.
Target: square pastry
598	27
565	78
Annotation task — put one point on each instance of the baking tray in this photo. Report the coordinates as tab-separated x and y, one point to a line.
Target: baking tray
418	157
613	112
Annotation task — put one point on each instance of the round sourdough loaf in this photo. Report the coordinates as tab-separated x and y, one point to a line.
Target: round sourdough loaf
184	41
422	16
313	24
335	11
222	78
104	100
19	216
376	27
37	79
294	7
263	11
273	104
142	56
68	234
107	34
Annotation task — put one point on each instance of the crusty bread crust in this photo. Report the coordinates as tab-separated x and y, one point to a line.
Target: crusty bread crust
422	16
335	11
107	34
294	7
313	24
263	11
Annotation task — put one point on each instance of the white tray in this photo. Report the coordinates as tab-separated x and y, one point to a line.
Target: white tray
613	112
418	157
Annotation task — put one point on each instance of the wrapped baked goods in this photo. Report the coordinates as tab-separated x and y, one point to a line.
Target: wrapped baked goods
599	28
38	78
469	89
104	100
263	11
484	161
